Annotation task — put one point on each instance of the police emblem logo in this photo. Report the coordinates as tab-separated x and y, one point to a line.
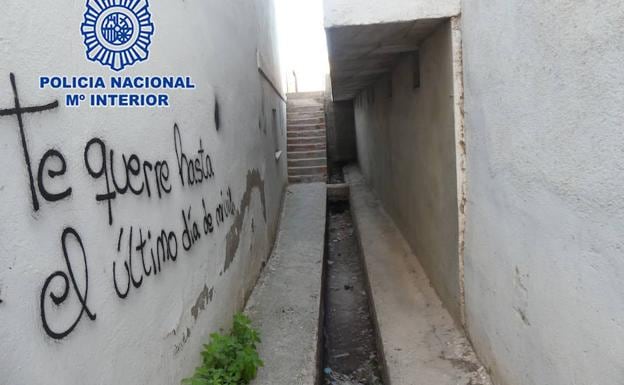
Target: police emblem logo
117	33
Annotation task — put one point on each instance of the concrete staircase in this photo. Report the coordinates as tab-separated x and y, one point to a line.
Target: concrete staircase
307	141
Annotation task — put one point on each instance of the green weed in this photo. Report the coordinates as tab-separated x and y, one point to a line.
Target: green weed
229	359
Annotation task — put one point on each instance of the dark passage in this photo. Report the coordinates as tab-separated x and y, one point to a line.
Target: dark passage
336	175
350	351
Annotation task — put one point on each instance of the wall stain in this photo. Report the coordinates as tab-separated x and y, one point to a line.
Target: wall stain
460	355
217	114
185	338
521	295
254	181
204	298
463	364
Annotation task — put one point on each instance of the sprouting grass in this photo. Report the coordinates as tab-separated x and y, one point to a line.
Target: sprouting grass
229	359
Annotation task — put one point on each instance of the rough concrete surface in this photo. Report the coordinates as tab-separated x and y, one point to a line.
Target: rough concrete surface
118	270
406	150
359	55
285	306
338	191
356	12
419	340
544	262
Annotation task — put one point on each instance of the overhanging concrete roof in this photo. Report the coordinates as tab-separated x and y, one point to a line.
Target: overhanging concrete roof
360	54
340	13
365	37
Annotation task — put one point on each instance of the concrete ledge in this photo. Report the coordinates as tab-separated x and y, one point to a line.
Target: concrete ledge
338	192
418	339
286	304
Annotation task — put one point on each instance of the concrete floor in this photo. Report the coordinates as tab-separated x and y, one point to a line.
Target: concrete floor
419	340
285	306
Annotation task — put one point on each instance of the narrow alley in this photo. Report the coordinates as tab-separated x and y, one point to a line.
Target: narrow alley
315	192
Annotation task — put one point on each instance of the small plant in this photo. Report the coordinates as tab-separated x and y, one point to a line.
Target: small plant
229	359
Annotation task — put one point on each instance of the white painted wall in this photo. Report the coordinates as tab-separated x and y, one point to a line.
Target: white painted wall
154	335
406	150
545	216
356	12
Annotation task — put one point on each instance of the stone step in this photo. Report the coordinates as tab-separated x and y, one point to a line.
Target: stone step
314	170
306	133
294	155
307	162
307	147
307	179
306	106
306	126
306	115
300	121
305	101
307	140
305	95
305	109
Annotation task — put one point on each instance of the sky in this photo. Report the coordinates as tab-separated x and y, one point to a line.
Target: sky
302	44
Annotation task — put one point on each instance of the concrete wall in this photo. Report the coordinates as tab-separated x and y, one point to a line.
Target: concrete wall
543	264
340	126
406	149
344	127
94	314
356	12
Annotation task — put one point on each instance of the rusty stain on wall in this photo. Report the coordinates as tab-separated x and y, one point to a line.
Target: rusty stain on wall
254	181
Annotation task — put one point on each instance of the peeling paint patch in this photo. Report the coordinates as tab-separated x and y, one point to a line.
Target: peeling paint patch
185	338
254	181
204	298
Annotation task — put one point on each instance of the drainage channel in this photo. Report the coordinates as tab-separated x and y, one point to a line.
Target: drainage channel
350	341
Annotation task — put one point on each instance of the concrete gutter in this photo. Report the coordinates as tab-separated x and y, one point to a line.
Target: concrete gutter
418	339
286	305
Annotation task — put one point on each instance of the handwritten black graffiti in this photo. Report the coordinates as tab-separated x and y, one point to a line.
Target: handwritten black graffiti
45	193
226	207
59	299
190	234
140	177
142	253
207	221
163	250
192	170
19	111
